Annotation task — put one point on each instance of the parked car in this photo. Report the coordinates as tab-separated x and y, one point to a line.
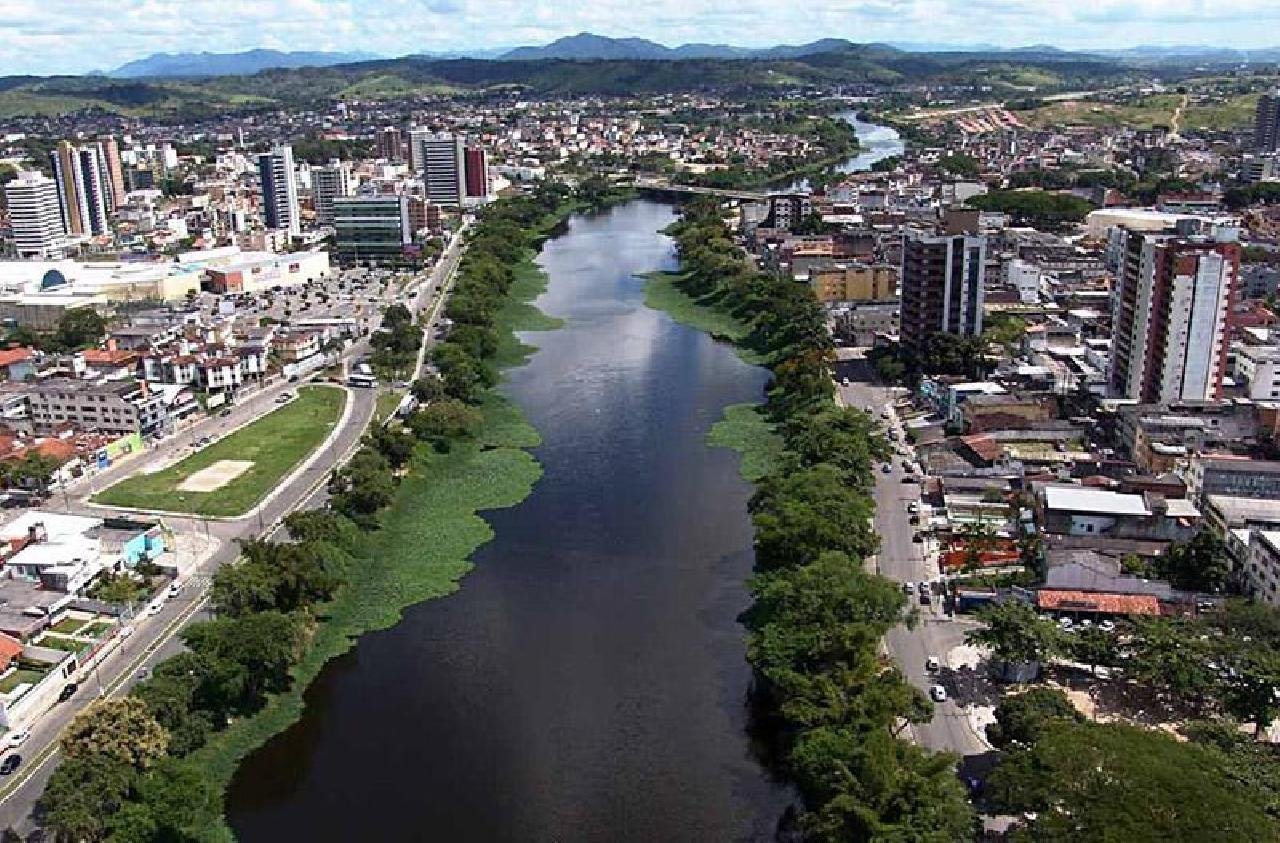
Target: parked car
17	738
1107	626
932	664
155	608
918	538
886	468
68	691
224	414
10	764
908	587
938	693
174	589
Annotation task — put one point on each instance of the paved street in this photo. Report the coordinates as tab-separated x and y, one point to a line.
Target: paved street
902	560
155	637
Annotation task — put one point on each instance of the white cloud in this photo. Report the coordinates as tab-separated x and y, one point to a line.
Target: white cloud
79	35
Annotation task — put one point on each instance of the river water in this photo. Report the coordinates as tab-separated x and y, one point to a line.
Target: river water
587	682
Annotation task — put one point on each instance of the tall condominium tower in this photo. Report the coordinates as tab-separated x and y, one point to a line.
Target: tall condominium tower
279	190
115	171
942	278
35	216
1170	305
328	184
1266	127
85	196
476	170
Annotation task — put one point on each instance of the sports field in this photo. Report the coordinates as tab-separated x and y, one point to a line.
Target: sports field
230	476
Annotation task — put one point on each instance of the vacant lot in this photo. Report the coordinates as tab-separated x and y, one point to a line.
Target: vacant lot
274	444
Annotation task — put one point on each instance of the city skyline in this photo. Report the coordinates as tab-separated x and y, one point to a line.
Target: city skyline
57	37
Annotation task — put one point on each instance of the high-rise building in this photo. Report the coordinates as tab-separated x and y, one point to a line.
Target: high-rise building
443	169
279	190
115	170
476	172
35	216
416	137
391	143
942	278
372	229
1170	307
328	184
1266	126
84	191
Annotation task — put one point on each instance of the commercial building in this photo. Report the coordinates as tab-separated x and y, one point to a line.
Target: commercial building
942	278
476	172
34	215
372	229
328	184
251	272
1266	126
443	169
279	190
1170	307
1233	477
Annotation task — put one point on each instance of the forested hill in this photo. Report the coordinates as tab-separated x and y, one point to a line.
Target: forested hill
395	78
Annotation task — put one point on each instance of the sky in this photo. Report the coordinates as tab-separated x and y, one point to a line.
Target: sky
78	36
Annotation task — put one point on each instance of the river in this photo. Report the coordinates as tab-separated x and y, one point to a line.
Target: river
588	680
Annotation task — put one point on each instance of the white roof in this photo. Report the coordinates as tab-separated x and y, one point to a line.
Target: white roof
1101	501
1180	508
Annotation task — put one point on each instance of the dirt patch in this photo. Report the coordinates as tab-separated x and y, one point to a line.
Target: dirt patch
215	476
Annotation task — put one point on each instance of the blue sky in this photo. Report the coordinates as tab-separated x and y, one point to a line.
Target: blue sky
74	36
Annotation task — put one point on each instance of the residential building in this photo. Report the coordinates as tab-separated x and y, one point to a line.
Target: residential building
476	172
855	282
1262	572
1170	307
38	230
390	144
328	184
372	229
114	407
115	170
416	139
85	195
1258	366
942	279
279	190
443	169
1266	126
1233	477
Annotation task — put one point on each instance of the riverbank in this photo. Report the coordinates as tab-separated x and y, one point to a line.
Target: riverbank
827	707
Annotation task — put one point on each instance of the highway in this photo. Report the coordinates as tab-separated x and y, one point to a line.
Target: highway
155	637
903	560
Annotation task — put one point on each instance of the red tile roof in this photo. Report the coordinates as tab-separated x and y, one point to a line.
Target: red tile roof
1102	603
10	356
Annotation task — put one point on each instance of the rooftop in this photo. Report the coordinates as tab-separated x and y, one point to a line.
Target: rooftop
1103	501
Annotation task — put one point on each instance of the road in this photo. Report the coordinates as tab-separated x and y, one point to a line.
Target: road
155	637
903	560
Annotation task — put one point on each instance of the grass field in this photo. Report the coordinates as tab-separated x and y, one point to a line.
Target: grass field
1233	113
275	443
67	626
1140	113
18	677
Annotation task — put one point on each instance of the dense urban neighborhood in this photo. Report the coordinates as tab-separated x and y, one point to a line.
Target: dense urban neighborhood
1010	461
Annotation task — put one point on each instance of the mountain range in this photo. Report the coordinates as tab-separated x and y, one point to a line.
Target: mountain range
178	65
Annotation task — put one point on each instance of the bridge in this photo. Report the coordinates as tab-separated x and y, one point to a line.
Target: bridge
666	186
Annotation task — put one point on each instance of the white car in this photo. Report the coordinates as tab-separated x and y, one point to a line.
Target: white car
932	664
174	589
155	608
16	739
938	693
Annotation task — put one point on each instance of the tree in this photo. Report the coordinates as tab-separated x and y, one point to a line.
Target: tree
83	793
121	729
1016	634
263	645
1113	782
79	327
1254	692
171	700
427	389
1092	646
959	164
1200	564
444	420
174	802
1021	717
243	589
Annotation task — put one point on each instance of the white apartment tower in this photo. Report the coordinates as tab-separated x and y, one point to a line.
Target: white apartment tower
329	183
35	215
279	190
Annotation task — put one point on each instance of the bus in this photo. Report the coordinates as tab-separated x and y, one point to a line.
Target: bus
362	379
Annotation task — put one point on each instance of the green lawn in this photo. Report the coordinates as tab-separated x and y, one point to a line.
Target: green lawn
275	444
57	642
66	626
97	629
18	677
387	403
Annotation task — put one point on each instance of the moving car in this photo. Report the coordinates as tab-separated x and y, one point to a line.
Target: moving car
68	691
932	664
174	589
938	693
10	764
886	468
16	738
